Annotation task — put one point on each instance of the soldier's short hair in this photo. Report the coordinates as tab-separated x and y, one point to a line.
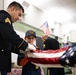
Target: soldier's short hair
17	5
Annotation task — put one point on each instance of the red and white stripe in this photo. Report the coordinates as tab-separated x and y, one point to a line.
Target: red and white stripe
46	58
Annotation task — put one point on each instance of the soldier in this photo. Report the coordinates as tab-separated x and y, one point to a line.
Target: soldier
8	36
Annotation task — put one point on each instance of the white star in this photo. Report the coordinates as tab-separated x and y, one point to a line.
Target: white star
63	56
69	49
67	61
72	54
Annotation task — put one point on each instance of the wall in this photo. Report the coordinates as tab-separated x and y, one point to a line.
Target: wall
67	31
72	36
1	4
34	17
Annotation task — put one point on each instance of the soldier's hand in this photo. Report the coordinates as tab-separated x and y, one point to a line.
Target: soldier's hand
30	47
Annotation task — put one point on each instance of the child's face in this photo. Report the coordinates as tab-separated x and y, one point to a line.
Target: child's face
30	39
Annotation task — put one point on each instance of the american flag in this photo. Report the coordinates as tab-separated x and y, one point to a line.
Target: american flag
53	58
45	28
48	58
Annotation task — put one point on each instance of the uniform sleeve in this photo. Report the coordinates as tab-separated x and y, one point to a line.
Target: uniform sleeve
8	34
17	41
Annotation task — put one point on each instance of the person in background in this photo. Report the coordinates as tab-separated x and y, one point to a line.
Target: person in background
9	39
29	68
53	44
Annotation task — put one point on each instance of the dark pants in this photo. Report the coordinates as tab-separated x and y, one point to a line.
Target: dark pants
31	69
56	71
